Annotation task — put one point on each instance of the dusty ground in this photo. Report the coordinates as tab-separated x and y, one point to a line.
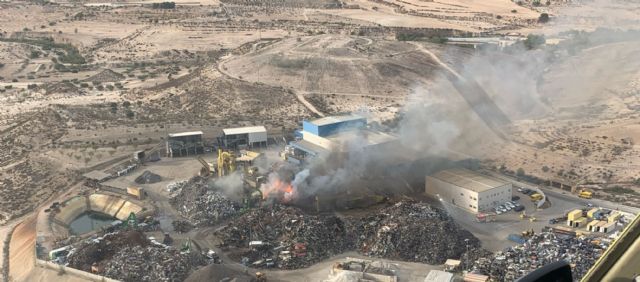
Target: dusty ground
120	76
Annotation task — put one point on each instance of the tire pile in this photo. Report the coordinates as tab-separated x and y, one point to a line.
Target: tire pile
539	250
411	231
201	204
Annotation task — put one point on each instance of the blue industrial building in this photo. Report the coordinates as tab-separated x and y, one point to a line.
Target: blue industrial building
334	133
327	126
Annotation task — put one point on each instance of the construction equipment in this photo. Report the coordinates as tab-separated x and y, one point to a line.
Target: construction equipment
132	221
536	197
528	233
226	163
585	194
207	168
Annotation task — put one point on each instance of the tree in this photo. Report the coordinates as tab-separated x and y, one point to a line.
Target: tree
520	172
545	168
534	41
543	18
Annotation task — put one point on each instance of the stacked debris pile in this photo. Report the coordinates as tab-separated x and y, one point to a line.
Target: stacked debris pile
148	177
202	204
182	226
286	238
152	263
539	250
412	231
103	248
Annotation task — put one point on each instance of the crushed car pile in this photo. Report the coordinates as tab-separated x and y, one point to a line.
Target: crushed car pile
286	238
539	250
412	231
202	204
128	255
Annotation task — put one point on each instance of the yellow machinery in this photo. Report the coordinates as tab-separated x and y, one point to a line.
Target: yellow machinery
207	168
585	194
528	233
226	163
536	197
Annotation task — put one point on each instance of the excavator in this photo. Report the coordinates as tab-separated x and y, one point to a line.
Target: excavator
207	168
226	163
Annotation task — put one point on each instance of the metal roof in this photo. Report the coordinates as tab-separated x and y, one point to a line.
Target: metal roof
244	130
308	147
334	119
438	276
182	134
97	175
468	179
364	137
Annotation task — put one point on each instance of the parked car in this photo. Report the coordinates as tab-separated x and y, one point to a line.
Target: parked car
498	211
515	198
520	190
518	208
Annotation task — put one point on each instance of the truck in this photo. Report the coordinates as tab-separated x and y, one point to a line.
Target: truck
585	194
536	197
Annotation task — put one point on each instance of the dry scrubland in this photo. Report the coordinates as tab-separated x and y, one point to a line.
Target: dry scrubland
117	77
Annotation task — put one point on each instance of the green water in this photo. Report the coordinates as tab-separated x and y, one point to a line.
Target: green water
90	221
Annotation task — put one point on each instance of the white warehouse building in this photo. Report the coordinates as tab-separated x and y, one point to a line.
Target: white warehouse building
468	190
241	137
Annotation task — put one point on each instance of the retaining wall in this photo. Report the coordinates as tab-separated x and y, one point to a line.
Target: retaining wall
72	271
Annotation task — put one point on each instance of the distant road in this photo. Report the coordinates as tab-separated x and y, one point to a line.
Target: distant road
555	193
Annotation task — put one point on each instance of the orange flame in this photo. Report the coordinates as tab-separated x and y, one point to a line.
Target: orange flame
278	188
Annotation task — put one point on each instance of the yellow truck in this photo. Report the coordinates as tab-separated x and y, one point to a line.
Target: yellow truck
536	197
585	194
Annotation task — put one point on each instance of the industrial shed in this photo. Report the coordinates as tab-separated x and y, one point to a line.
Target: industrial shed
468	190
185	144
240	137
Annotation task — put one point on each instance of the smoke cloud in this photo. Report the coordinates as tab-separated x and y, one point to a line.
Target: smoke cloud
438	121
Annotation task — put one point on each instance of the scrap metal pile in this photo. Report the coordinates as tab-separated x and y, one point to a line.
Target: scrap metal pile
148	177
152	263
539	250
203	205
286	238
412	231
98	250
130	256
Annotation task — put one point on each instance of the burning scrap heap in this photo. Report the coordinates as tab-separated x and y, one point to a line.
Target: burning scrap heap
201	204
285	238
539	250
130	256
413	231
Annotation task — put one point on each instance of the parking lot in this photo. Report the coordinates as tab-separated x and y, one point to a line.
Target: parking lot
493	234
